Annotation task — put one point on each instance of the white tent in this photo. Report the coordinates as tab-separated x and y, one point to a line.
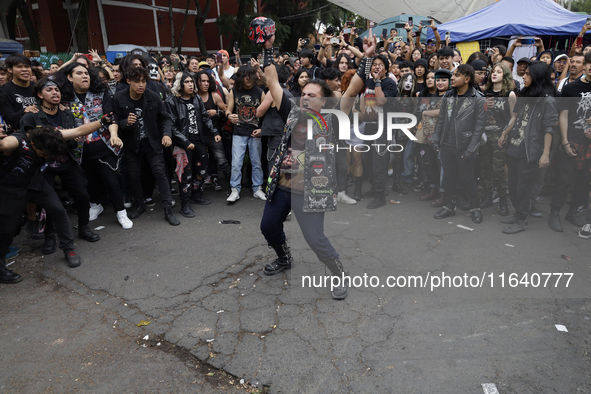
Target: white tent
443	11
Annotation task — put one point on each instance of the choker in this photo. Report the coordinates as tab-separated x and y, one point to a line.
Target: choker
50	109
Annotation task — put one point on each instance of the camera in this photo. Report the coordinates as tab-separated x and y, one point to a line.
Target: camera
306	41
334	40
329	31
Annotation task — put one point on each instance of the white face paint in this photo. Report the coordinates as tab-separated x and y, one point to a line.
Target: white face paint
408	83
153	71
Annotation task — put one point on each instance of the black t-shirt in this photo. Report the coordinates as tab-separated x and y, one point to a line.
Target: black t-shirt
139	112
516	144
13	102
246	103
421	86
193	129
576	98
21	170
55	120
499	115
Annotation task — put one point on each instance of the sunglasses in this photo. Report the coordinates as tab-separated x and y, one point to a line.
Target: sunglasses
397	47
430	44
164	62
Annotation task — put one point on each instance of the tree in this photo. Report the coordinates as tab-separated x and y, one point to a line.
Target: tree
23	9
199	22
581	6
171	18
183	28
81	26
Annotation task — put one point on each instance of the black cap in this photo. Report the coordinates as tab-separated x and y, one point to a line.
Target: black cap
443	73
478	65
422	62
524	60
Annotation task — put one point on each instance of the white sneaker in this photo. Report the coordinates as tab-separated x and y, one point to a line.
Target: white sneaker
173	202
342	197
585	232
234	196
124	220
260	194
94	211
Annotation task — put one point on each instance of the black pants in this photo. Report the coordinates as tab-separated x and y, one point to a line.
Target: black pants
342	167
74	182
134	169
102	176
216	151
311	223
456	172
429	164
12	207
197	165
523	178
566	177
272	150
380	158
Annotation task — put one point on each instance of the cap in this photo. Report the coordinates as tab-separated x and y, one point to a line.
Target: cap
478	65
563	56
430	40
261	29
443	73
524	60
422	62
204	64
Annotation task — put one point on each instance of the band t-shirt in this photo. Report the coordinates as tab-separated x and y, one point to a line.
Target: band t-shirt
246	102
576	98
516	145
139	112
193	129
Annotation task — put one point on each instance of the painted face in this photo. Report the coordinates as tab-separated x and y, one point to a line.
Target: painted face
80	79
497	75
303	79
153	73
50	95
408	82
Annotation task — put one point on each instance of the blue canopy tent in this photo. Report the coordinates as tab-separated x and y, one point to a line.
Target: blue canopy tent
390	23
10	46
514	17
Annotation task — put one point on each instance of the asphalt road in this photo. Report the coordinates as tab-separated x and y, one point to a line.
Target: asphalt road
201	286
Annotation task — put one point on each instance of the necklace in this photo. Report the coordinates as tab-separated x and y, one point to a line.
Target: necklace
49	109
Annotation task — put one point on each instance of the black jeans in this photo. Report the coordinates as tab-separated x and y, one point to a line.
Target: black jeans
380	158
216	150
566	177
311	223
523	178
12	207
134	169
458	171
197	165
272	150
102	177
75	183
342	166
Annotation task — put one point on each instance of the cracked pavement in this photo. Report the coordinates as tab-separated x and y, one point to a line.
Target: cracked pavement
201	286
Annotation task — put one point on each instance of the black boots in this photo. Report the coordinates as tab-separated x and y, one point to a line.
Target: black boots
186	209
170	218
136	211
554	221
197	194
378	201
476	215
357	194
336	268
487	201
445	212
6	275
283	261
49	244
87	235
503	206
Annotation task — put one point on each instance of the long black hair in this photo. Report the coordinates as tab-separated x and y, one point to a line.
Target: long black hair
296	89
541	83
212	85
67	88
126	62
243	72
338	61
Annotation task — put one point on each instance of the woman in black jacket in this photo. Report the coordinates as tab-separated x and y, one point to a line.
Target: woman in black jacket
189	123
528	137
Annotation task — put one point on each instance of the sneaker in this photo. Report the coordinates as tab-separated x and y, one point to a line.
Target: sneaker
174	191
216	184
127	203
135	212
260	194
234	196
72	259
207	181
572	217
94	211
170	218
534	210
124	220
11	255
585	232
517	227
149	202
342	197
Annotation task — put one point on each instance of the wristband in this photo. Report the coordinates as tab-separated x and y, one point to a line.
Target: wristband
268	57
568	143
106	120
378	83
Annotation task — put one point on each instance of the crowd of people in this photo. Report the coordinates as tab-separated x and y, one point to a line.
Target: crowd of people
488	128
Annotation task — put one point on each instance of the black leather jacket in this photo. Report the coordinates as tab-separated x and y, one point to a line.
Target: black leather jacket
542	120
180	120
156	119
469	122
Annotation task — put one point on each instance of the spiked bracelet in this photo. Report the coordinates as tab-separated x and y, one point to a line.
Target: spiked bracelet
364	69
267	57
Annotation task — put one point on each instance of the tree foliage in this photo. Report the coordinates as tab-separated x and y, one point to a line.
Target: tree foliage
581	6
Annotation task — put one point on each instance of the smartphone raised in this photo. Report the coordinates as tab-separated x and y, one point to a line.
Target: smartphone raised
254	55
426	22
447	35
410	21
317	47
347	31
384	33
579	41
528	40
399	25
235	45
